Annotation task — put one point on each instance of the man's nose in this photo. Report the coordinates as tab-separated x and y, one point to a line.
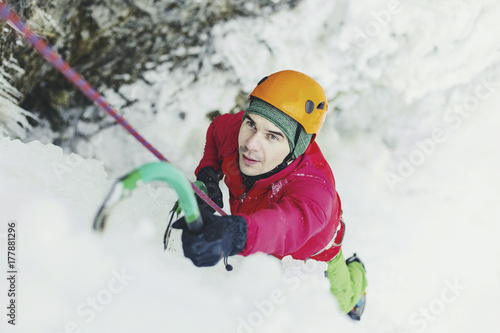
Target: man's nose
253	142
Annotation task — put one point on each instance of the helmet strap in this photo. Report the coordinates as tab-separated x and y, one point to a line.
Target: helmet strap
289	158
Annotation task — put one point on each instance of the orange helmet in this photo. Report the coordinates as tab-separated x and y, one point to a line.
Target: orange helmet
297	95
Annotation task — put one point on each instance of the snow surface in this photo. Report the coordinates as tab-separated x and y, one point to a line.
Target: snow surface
412	140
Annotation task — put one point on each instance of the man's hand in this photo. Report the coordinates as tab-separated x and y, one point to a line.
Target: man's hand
221	236
210	178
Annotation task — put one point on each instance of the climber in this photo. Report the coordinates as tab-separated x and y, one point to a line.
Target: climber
282	192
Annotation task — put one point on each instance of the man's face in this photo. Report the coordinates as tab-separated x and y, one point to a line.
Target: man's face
262	145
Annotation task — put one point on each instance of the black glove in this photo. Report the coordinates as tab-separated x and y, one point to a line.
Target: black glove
210	178
221	236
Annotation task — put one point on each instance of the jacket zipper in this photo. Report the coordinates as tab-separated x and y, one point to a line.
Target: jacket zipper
244	195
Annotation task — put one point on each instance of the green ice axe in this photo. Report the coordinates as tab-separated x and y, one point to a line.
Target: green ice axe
156	171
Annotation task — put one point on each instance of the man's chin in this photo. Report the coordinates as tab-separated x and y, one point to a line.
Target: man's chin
248	170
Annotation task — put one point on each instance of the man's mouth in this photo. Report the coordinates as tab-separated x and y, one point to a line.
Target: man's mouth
248	160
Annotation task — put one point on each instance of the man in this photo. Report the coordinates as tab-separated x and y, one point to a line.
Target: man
281	189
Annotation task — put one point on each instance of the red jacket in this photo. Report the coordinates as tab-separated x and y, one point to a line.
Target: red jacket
294	212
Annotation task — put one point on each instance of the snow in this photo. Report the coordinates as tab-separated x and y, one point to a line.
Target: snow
412	140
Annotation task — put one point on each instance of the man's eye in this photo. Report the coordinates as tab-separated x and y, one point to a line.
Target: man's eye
272	137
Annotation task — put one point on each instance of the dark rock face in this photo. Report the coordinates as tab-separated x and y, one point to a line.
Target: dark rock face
110	42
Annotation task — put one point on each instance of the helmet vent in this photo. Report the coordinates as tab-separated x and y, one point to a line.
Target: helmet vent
321	106
309	106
